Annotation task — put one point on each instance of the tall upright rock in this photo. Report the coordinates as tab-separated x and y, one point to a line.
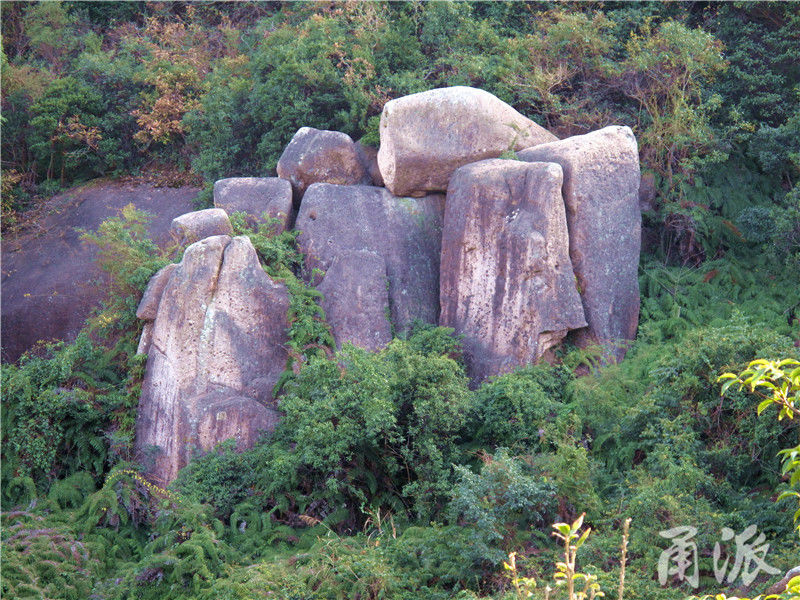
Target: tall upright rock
356	299
335	220
427	136
217	350
506	279
601	191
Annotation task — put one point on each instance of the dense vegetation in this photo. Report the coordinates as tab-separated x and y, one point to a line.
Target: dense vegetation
389	477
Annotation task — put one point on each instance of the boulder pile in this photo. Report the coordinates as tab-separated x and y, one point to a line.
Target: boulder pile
513	253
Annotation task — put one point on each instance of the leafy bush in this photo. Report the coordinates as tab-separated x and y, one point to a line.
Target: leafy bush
365	431
60	411
222	478
499	506
521	410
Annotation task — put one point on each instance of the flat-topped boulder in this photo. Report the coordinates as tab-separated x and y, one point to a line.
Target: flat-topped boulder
321	156
426	136
507	283
601	192
405	232
260	198
220	327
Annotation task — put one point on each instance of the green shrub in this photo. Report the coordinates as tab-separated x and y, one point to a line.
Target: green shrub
366	431
222	478
499	505
44	558
524	409
57	412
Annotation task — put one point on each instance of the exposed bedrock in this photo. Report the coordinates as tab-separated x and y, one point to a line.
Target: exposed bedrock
356	299
507	283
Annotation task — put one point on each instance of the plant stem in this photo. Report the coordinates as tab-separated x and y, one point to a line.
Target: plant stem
623	556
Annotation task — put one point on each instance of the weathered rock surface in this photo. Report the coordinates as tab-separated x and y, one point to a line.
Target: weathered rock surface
256	196
356	299
507	283
220	415
404	232
601	192
427	136
220	327
318	155
50	280
200	224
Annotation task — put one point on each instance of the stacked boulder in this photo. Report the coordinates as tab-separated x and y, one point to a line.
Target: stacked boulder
513	253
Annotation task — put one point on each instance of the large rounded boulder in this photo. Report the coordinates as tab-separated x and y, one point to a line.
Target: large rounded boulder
426	136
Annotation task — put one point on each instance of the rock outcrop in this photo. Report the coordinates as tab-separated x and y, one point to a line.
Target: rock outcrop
369	157
258	197
200	224
321	156
405	232
51	281
601	192
217	350
427	136
506	279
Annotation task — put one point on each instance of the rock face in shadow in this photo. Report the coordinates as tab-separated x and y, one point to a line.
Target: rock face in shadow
601	191
369	157
507	283
148	305
321	156
50	280
257	197
427	136
404	232
220	329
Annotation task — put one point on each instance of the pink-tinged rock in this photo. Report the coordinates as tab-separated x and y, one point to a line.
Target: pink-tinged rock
146	338
404	232
506	279
220	415
51	282
261	198
148	306
601	191
318	155
356	299
221	325
427	136
195	226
